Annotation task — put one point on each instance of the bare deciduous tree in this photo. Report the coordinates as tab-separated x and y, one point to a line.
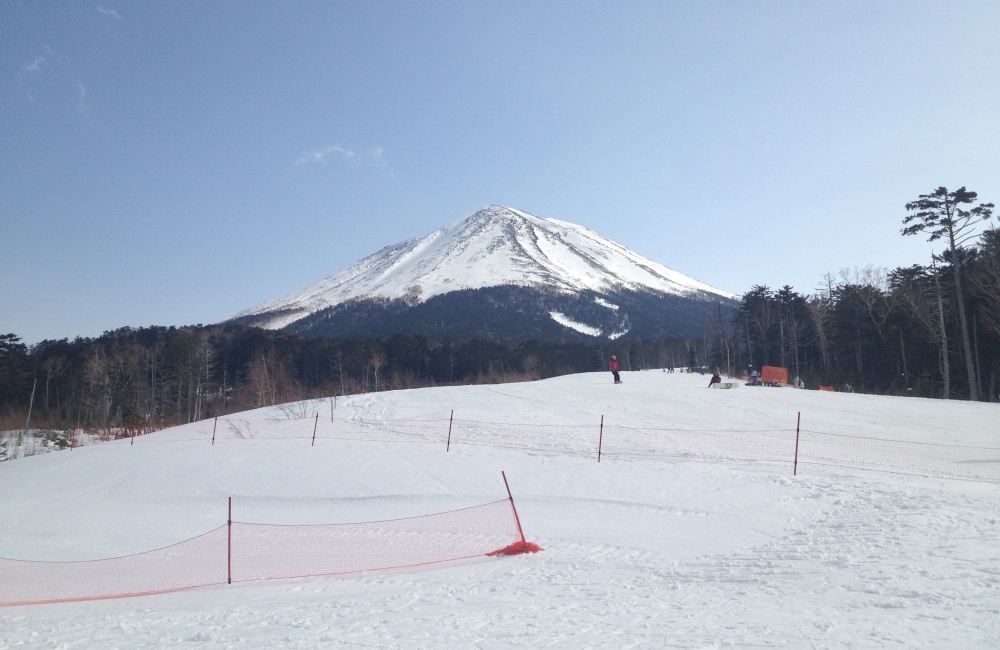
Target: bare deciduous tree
378	361
925	304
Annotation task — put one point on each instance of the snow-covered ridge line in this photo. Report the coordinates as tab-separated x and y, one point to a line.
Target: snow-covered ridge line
492	247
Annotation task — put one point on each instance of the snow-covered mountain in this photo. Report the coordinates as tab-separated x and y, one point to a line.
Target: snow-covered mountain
492	248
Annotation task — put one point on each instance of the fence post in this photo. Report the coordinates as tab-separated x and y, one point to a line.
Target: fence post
450	420
514	508
133	437
213	429
229	544
315	424
795	467
600	440
333	406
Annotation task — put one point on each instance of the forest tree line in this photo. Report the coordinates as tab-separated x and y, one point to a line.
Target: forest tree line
928	330
169	375
931	330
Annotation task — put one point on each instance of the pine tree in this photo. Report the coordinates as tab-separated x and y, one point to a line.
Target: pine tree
941	216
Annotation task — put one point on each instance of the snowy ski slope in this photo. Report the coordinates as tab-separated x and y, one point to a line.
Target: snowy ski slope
640	552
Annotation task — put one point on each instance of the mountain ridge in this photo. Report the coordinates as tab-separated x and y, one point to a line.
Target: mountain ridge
493	247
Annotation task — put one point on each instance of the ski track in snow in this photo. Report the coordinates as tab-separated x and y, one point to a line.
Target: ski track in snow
639	553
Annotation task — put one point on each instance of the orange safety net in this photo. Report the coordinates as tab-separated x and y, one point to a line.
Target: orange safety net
773	374
243	552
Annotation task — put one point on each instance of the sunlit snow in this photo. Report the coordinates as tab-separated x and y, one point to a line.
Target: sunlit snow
640	551
566	321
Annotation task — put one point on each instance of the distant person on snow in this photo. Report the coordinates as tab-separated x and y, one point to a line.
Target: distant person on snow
614	369
716	379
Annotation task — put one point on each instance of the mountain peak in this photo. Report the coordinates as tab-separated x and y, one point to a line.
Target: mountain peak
494	246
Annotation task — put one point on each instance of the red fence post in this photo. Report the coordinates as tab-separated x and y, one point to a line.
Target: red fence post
600	440
514	508
315	424
450	420
795	467
213	429
229	544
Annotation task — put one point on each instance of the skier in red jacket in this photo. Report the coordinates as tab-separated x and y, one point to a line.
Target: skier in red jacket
614	369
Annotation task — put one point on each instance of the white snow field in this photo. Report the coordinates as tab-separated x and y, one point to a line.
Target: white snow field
644	551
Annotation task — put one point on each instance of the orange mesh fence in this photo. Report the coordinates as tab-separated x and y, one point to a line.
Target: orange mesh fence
774	445
900	457
772	374
249	551
196	562
265	552
598	439
537	437
221	430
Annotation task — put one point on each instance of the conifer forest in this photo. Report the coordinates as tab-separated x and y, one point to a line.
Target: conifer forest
927	330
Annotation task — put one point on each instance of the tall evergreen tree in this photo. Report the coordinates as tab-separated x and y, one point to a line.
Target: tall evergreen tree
940	215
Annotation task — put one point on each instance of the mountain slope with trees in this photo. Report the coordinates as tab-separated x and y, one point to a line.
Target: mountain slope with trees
870	329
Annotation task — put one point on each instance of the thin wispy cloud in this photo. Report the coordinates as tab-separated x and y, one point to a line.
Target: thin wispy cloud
81	98
374	157
36	65
321	156
378	159
32	73
111	13
39	63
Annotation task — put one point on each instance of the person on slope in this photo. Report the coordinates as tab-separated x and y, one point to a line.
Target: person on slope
614	369
716	379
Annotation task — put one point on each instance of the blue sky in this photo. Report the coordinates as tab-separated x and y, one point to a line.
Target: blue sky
172	163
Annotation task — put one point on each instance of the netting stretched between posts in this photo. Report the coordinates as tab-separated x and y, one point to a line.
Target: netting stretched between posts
196	562
770	445
260	551
900	457
537	437
767	445
265	552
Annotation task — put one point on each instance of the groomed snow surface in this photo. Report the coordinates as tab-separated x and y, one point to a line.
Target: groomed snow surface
640	552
